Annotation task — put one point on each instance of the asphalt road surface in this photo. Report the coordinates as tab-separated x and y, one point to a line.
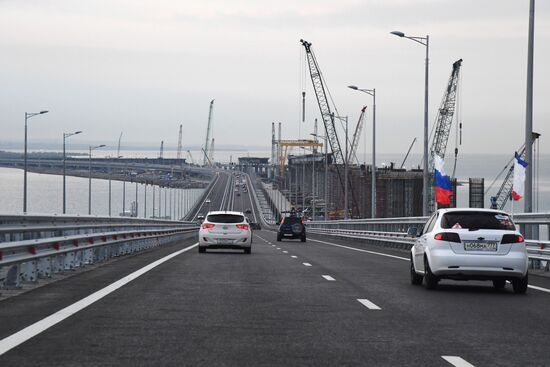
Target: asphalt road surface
326	302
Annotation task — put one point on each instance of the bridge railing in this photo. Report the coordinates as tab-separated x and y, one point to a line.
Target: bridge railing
38	246
392	232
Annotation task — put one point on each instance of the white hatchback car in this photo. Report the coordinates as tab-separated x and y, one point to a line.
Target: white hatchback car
225	230
469	244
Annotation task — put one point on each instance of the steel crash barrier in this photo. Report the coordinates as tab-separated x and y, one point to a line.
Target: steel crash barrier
392	232
32	249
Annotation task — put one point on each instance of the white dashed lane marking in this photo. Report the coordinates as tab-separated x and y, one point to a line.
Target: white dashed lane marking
285	252
306	264
329	278
368	304
294	257
457	361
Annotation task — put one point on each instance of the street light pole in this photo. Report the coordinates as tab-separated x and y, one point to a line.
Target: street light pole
65	136
346	174
528	205
371	92
425	41
90	176
28	115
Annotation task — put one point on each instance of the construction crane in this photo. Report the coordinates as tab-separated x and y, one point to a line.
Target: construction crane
285	144
356	137
206	149
178	156
211	152
442	129
503	194
328	117
118	147
190	157
161	155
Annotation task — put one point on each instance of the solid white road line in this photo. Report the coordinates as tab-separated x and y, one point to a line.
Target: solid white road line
368	304
294	257
38	327
328	277
360	250
457	361
539	288
306	264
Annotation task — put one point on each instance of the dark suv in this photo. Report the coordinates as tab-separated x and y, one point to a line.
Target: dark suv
292	226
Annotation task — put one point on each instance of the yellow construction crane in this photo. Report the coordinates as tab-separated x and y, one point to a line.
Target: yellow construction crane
282	150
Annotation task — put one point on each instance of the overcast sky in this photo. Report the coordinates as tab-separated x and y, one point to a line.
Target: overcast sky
143	67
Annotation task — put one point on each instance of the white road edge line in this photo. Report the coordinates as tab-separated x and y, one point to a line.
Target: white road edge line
38	327
360	250
539	288
546	290
306	264
457	361
328	277
368	304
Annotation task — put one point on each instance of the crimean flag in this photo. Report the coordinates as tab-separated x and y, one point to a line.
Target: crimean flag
442	183
519	177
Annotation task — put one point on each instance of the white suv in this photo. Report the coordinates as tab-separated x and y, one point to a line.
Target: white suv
470	244
225	230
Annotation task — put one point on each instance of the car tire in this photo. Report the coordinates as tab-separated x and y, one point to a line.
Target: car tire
499	283
202	250
248	250
303	238
430	279
416	279
279	237
520	284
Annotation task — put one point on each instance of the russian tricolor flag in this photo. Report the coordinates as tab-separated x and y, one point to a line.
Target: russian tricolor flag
519	177
442	183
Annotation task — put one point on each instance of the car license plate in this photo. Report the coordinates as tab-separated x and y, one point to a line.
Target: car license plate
288	235
480	246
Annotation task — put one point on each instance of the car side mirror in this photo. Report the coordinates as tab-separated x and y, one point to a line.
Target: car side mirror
412	231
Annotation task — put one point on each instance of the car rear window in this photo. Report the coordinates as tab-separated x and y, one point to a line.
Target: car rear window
225	218
477	220
292	220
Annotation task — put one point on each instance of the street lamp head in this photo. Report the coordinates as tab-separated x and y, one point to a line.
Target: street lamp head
354	87
101	146
398	33
77	132
43	112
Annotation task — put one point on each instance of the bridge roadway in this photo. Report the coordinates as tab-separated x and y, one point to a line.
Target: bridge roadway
287	304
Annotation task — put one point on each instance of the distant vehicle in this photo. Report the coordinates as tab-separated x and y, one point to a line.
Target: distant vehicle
247	211
469	244
292	226
200	217
225	230
207	201
238	193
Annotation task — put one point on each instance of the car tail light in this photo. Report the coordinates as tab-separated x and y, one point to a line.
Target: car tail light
243	226
207	226
283	221
512	238
447	236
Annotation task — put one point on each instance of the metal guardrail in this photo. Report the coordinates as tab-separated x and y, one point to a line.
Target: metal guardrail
392	232
37	246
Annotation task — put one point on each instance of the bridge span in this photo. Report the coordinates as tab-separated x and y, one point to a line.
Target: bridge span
338	299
